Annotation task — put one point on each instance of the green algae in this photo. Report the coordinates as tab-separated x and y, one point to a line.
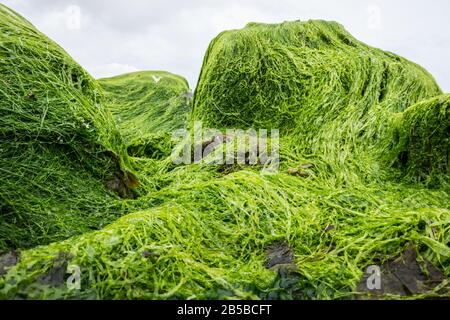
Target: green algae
148	106
58	143
200	232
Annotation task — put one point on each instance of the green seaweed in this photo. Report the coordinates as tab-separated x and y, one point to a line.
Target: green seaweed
58	143
148	106
346	111
422	141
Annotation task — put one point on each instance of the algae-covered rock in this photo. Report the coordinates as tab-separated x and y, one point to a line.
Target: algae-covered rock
330	95
205	232
301	75
148	106
58	143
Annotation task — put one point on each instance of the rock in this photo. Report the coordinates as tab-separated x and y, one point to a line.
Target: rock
403	276
7	261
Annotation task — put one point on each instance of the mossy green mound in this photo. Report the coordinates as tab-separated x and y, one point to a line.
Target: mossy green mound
331	96
422	141
204	231
148	106
300	76
58	143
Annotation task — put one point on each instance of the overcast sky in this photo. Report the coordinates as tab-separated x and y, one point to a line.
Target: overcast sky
110	37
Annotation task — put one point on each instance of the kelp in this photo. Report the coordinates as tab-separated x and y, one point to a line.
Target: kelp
347	114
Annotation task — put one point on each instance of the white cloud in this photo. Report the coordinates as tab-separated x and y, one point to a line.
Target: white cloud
112	69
